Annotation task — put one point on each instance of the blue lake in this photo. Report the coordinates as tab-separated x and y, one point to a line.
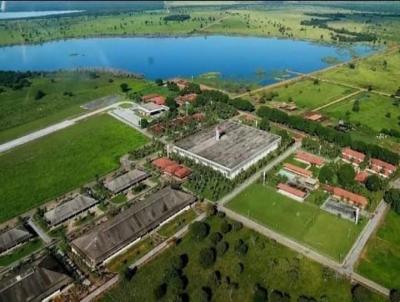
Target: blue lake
264	60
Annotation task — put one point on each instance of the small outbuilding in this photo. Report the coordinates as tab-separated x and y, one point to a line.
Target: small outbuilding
126	180
13	237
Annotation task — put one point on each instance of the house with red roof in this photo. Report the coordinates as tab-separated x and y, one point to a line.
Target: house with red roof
291	192
297	170
351	156
361	176
171	167
381	167
154	98
347	196
309	158
187	98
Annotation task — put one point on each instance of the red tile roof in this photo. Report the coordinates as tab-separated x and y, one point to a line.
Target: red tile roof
159	100
199	116
314	117
170	169
162	162
351	154
291	190
347	196
191	97
361	176
182	172
148	97
297	170
310	158
380	166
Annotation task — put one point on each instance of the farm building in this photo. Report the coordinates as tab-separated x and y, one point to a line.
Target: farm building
351	156
151	109
13	238
125	181
309	158
119	233
347	196
361	176
69	209
314	117
171	167
154	98
291	192
43	282
380	167
229	148
187	98
297	170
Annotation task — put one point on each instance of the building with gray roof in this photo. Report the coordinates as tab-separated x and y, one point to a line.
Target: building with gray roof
13	237
35	284
126	180
130	225
229	148
69	209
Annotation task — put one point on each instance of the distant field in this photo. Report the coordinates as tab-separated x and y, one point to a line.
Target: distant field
380	260
46	168
20	113
376	112
266	263
303	222
371	71
308	95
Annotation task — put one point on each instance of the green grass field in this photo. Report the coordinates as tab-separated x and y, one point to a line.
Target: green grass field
380	260
266	262
371	71
303	222
21	252
308	95
62	161
20	113
376	112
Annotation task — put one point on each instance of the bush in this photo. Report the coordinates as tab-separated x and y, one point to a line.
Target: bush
176	284
239	268
160	291
360	294
215	278
207	257
392	197
394	295
179	262
264	124
215	237
205	294
278	296
260	294
221	214
225	227
199	230
222	247
374	183
306	299
159	82
172	86
124	87
241	248
237	226
39	94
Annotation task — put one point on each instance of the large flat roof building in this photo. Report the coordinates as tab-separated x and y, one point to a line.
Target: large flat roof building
109	238
35	284
69	209
229	148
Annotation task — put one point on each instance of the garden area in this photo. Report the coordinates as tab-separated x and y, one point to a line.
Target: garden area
60	162
215	262
303	222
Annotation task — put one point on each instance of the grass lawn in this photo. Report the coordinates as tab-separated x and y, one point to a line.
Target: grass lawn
20	113
171	227
372	114
266	262
380	260
370	71
303	222
308	95
21	252
120	198
48	167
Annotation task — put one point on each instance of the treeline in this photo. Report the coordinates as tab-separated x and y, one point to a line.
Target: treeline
209	96
329	134
391	132
342	34
15	80
181	17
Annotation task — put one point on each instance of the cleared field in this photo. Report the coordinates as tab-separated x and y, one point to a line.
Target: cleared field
308	95
20	113
276	268
303	222
60	162
381	258
375	112
381	71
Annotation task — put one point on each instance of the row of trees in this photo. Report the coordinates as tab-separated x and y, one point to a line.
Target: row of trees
16	80
328	134
215	96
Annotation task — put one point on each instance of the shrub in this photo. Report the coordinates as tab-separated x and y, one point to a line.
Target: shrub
278	296
360	294
394	295
215	237
176	284
241	248
205	294
222	247
160	291
207	257
225	227
260	294
215	278
264	124
306	299
39	94
199	230
237	226
374	183
239	268
179	262
159	82
221	214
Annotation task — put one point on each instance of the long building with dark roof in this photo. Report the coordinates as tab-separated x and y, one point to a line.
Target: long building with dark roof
126	180
13	237
109	238
35	284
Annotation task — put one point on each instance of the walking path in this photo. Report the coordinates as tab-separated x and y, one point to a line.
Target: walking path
337	100
53	128
143	260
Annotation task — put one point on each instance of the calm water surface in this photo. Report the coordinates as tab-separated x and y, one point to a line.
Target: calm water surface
264	60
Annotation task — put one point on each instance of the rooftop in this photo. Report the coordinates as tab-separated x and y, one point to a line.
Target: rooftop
347	195
237	145
382	164
126	180
297	170
12	237
291	190
361	176
353	154
310	158
131	224
69	209
151	107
